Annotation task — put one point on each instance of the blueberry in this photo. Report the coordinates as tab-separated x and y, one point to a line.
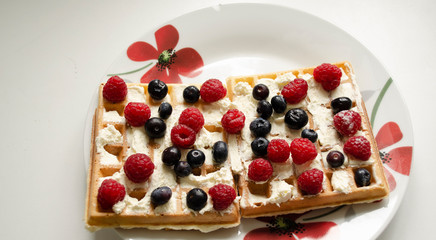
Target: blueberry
260	127
264	109
196	199
220	152
191	94
340	104
309	134
155	127
182	169
296	118
278	103
335	159
160	195
157	89
260	92
165	110
171	156
195	158
362	177
259	146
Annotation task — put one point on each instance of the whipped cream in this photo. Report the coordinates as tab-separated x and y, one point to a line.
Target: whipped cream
113	116
108	135
341	181
281	191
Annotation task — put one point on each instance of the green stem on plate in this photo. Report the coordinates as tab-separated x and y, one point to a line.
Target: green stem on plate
125	73
324	214
379	99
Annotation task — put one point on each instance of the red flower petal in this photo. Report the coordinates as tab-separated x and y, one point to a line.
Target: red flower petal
400	159
188	62
166	37
391	180
317	230
388	134
170	76
141	51
264	233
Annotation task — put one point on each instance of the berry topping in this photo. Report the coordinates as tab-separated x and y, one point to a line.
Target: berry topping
359	147
109	193
196	199
212	90
310	181
328	75
182	169
137	113
362	177
160	196
171	156
260	92
340	104
195	158
157	89
191	94
233	121
264	109
193	118
165	110
295	91
302	150
309	134
115	89
260	127
183	136
278	150
347	122
220	152
278	103
138	167
155	127
296	118
259	146
260	170
335	159
222	196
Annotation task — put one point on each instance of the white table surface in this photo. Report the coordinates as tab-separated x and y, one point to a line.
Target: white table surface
54	53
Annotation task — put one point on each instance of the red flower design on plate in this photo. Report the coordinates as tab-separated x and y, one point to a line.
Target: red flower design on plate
171	63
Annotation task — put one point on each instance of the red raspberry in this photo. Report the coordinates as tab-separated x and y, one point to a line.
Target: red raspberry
260	170
310	181
137	113
115	89
222	196
347	122
193	118
138	167
278	151
328	75
233	121
295	91
109	193
183	136
359	147
212	90
302	150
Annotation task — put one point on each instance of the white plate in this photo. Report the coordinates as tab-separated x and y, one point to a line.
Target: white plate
240	39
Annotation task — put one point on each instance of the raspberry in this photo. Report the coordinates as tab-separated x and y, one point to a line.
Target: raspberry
310	181
359	147
183	136
115	89
137	113
222	196
233	121
193	118
295	91
328	75
347	122
212	90
109	193
138	167
302	150
278	151
260	170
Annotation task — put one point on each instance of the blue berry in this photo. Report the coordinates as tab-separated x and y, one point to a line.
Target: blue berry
191	94
260	127
278	104
335	159
259	146
220	152
309	134
155	127
171	155
160	195
362	177
340	104
196	199
182	169
157	89
195	158
165	110
296	118
264	109
260	92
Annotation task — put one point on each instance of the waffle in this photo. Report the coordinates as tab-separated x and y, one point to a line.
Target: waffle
281	194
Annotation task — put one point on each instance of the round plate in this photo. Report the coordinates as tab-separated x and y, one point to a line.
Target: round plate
240	39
